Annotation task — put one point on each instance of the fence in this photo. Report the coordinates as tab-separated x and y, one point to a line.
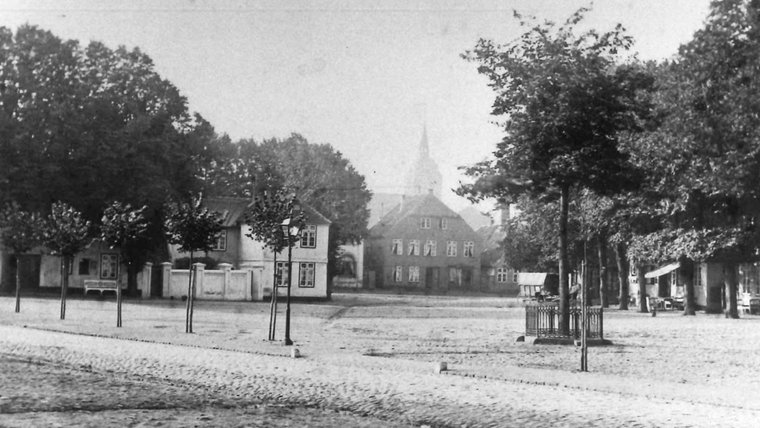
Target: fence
542	320
223	284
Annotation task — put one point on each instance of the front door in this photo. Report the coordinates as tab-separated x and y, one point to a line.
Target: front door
432	277
29	271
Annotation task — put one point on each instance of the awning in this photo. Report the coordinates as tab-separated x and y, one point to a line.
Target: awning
662	271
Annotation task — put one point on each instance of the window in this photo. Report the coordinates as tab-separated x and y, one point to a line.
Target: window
451	248
515	276
425	222
469	248
109	266
221	242
455	276
84	267
396	248
430	248
309	236
282	274
414	247
414	274
444	223
306	275
698	275
398	274
501	275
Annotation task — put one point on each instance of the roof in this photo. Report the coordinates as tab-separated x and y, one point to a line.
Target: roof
422	205
380	205
531	278
233	210
662	270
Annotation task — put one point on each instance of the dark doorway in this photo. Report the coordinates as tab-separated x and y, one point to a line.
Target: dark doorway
29	271
432	277
467	277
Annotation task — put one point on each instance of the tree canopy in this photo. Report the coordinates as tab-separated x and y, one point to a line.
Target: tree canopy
564	98
90	124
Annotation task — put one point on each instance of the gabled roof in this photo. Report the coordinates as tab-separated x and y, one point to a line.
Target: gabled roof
420	205
313	216
233	210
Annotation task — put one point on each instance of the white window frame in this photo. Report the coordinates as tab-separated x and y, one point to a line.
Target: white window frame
431	248
451	248
282	274
414	274
444	223
414	247
468	250
425	223
306	275
221	241
109	266
515	276
501	275
698	275
309	236
397	247
398	274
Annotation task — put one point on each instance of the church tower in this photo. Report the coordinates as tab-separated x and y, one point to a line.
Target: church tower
424	176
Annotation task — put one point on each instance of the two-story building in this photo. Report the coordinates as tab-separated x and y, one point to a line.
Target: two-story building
422	244
309	252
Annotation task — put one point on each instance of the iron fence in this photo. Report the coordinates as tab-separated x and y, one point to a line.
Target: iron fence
543	320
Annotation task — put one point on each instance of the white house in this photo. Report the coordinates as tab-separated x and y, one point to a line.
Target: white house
233	247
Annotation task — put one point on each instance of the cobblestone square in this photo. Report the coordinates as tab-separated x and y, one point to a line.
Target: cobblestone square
367	360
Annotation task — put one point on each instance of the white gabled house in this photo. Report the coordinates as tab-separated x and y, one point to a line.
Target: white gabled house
237	253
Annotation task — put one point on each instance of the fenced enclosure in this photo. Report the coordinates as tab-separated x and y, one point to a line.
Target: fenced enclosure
542	320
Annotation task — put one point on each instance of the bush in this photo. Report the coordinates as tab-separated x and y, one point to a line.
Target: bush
184	262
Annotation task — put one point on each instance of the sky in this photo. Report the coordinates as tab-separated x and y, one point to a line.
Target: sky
363	76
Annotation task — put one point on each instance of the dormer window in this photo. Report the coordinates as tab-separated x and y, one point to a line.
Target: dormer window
425	222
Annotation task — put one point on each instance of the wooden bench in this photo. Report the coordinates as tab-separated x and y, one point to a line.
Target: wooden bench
100	285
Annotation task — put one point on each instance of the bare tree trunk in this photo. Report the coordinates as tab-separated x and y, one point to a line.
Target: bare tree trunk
189	307
564	289
731	286
622	265
686	272
642	287
601	245
273	302
64	284
18	283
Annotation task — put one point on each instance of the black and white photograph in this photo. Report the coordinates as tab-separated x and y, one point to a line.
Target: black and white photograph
389	213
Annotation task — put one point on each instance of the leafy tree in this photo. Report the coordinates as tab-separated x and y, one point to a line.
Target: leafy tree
706	150
565	100
192	228
20	231
127	229
66	233
320	176
88	124
265	217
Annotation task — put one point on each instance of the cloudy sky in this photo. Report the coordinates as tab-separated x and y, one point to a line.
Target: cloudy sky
363	76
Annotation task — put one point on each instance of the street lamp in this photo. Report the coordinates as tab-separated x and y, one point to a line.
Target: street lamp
290	229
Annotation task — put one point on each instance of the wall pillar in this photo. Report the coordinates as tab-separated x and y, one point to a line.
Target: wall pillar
227	269
147	280
166	279
200	273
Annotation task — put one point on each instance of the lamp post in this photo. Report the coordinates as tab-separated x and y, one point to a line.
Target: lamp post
290	229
